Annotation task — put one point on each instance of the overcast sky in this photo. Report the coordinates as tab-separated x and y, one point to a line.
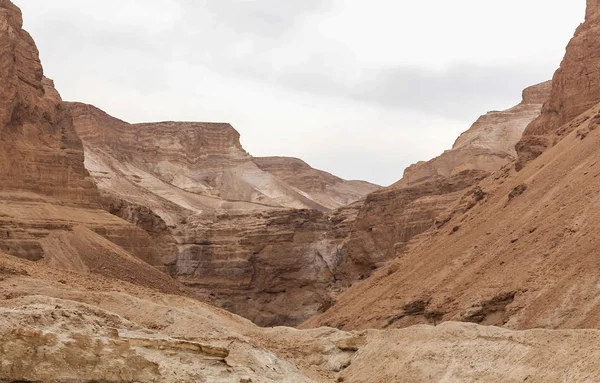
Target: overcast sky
358	88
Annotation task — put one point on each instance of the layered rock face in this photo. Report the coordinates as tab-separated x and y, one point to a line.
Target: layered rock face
488	145
220	219
199	167
49	206
575	89
275	267
39	149
217	217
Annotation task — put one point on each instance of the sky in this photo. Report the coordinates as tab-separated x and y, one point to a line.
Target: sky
358	88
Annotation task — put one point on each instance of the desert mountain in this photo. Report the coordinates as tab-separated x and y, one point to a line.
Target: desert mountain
199	167
229	227
251	234
488	145
523	253
85	295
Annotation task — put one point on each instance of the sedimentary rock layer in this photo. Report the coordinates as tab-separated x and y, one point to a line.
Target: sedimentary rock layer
91	328
199	167
488	145
575	89
49	206
39	149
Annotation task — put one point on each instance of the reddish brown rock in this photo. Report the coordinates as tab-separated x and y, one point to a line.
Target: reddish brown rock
39	149
49	205
575	89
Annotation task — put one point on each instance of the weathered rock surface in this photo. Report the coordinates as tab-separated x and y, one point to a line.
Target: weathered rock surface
430	192
575	89
199	167
488	145
49	206
522	257
39	149
64	326
274	267
221	219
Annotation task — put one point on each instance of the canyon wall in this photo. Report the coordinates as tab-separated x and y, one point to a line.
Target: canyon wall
256	235
39	149
49	205
431	191
575	89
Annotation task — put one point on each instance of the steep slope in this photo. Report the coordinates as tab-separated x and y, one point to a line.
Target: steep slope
39	149
91	328
49	210
429	191
522	257
488	145
575	89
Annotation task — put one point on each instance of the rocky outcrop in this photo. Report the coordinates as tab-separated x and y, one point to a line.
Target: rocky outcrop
575	89
49	205
39	149
488	145
430	192
274	267
64	326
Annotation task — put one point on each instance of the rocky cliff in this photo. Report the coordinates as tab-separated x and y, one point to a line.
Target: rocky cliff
49	206
39	149
575	89
488	145
199	167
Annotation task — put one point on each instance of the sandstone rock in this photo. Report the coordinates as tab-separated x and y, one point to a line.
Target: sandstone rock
49	206
200	166
575	89
91	328
488	145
